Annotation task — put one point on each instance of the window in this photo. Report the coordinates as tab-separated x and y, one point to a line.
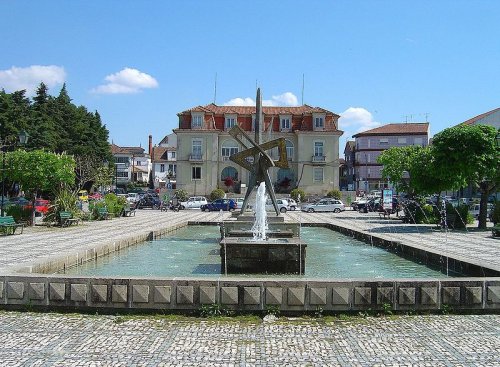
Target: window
172	155
318	148
229	147
368	158
196	121
289	150
318	174
122	174
384	141
418	141
196	148
121	160
230	121
196	173
369	143
172	168
285	123
229	172
318	121
162	168
138	163
401	140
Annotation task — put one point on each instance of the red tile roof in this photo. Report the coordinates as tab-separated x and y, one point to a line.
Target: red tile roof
479	117
248	110
160	153
115	149
398	129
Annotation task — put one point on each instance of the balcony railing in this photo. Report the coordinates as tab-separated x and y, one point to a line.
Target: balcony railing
195	157
318	158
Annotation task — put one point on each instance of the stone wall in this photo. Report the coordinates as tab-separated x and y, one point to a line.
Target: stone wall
241	294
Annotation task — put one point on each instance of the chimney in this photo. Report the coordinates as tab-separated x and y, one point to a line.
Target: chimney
151	146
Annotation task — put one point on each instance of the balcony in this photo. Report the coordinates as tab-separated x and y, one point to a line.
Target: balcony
195	157
318	159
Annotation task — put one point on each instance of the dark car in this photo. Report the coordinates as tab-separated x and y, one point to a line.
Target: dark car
368	206
149	201
220	204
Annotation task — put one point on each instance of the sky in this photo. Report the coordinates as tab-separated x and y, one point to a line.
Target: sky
140	63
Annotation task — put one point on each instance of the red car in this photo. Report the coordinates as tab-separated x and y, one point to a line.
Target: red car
42	205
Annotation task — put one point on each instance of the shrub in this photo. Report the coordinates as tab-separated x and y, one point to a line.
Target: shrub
66	201
115	204
181	194
419	213
457	217
295	193
19	213
495	215
217	194
334	194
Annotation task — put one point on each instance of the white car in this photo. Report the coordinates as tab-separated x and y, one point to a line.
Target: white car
194	202
324	205
292	204
474	210
133	197
282	205
239	201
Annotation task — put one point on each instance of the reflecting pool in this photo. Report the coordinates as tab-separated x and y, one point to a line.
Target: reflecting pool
193	251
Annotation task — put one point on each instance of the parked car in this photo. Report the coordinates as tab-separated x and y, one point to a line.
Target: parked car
474	210
324	205
194	202
220	204
96	196
357	203
133	197
42	205
239	202
149	201
370	205
83	195
282	205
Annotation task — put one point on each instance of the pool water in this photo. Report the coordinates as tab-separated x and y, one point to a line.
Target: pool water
193	251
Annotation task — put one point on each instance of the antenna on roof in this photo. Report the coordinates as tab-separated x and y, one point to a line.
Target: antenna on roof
302	102
256	84
215	88
426	114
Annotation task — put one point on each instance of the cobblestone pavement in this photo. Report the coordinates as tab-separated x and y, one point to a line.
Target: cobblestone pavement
30	339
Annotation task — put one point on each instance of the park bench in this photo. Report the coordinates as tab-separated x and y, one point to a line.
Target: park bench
129	210
102	213
66	219
8	224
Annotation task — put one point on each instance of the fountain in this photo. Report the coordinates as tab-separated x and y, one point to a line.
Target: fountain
258	243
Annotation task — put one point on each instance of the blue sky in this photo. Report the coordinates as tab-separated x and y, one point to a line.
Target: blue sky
139	63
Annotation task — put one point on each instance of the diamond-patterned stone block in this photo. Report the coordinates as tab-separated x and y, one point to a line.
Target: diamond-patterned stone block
251	295
473	295
407	296
99	293
161	294
451	295
119	293
429	295
493	294
296	296
57	291
384	295
229	295
317	296
140	293
36	291
362	296
185	294
78	292
274	296
15	290
207	295
340	296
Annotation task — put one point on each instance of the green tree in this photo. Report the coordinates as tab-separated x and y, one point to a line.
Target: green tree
469	154
397	161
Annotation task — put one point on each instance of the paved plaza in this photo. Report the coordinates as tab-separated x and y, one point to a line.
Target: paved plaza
38	339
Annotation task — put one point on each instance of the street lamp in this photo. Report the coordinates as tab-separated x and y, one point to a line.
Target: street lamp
8	142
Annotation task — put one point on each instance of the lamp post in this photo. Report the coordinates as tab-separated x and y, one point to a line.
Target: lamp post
8	142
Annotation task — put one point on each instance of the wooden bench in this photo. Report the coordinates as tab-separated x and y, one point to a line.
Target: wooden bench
8	224
102	213
66	219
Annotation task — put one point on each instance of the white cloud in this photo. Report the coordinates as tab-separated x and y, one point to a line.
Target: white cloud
29	78
285	99
126	81
357	119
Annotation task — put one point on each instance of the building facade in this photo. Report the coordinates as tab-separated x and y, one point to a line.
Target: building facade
491	118
349	182
164	162
132	164
371	143
204	147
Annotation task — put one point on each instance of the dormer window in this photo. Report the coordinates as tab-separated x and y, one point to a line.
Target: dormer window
285	122
318	121
230	121
196	121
